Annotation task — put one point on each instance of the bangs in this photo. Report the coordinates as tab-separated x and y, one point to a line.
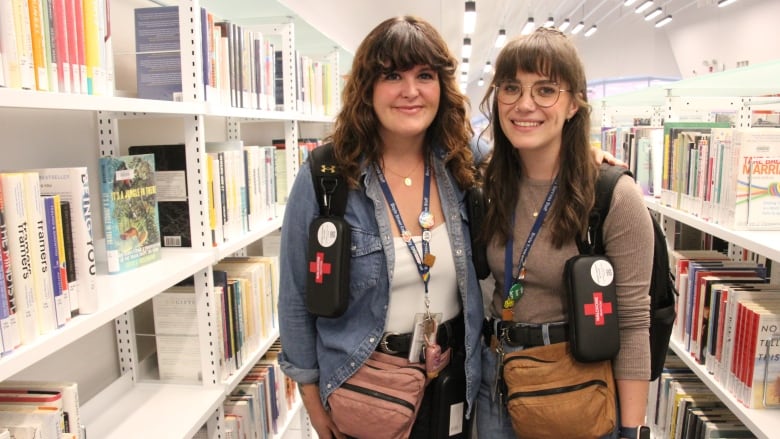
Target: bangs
542	55
407	45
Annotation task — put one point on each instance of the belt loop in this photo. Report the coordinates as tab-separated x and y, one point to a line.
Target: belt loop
546	333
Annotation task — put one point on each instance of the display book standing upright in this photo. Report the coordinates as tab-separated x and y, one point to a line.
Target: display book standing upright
130	211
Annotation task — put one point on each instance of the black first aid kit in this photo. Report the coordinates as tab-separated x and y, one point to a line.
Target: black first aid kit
327	279
593	317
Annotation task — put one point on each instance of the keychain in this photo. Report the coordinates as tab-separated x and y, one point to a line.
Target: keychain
434	361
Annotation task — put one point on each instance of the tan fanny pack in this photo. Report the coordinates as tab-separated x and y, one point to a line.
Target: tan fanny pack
551	395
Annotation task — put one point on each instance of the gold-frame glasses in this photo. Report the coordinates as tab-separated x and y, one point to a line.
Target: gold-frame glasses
544	93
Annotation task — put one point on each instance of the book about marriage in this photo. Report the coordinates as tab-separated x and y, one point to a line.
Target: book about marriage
130	212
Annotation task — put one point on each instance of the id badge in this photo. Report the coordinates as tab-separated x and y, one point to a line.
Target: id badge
421	324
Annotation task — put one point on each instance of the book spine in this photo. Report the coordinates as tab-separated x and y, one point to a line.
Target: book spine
24	45
92	41
9	332
51	208
59	13
21	257
50	42
39	245
73	32
11	68
81	45
38	45
70	256
62	254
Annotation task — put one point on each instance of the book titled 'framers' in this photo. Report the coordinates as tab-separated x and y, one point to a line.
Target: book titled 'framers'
130	212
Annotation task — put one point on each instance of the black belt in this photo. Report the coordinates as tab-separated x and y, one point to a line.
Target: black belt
523	334
450	334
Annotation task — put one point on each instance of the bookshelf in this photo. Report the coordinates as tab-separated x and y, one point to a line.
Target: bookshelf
736	94
118	399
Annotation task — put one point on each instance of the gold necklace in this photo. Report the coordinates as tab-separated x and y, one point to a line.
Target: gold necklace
536	203
407	178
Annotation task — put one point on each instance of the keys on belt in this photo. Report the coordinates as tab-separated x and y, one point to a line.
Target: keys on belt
448	335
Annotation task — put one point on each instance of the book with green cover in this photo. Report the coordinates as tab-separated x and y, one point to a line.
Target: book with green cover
130	212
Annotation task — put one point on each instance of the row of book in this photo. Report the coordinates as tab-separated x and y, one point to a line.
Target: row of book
728	319
242	67
48	256
242	185
680	406
245	291
728	176
56	45
261	403
40	410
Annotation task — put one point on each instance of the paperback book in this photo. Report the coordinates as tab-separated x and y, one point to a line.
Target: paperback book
130	212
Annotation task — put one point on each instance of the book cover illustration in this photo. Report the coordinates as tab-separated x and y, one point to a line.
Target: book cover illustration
130	212
758	179
170	163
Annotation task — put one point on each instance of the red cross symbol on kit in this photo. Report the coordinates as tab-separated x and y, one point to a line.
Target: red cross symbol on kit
598	308
319	267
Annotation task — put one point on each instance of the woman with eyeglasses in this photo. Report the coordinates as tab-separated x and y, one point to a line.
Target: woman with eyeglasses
541	185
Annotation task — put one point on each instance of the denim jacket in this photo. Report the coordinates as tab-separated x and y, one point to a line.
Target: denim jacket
330	350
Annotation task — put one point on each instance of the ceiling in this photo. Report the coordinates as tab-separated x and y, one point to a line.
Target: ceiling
325	24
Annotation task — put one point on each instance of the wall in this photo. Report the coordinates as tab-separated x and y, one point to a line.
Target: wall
746	30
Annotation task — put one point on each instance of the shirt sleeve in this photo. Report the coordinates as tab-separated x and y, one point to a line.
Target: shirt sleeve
629	241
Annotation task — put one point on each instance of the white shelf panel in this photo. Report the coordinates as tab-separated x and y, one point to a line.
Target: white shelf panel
761	422
117	294
15	98
228	248
156	411
766	243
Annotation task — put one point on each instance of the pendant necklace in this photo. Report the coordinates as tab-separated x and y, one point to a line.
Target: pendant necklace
407	178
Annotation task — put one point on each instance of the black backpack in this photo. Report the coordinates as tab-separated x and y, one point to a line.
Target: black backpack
662	290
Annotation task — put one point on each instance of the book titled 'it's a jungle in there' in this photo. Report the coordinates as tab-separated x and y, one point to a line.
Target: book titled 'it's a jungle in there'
130	212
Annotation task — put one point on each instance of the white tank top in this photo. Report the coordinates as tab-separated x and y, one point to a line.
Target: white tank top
407	291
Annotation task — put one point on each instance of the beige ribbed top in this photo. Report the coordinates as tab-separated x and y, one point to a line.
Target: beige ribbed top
629	244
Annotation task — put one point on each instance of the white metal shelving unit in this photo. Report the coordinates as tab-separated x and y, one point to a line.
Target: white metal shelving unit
132	405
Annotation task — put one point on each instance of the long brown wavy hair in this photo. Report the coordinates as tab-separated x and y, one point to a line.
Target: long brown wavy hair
399	44
546	52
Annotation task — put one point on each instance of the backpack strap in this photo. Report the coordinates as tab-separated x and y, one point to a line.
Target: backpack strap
329	185
605	185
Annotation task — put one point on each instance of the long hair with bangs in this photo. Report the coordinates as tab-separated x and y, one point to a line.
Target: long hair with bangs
400	44
546	52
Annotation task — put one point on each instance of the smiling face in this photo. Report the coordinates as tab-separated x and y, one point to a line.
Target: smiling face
530	127
406	102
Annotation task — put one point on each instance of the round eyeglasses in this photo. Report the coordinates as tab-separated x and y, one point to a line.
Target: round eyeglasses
544	94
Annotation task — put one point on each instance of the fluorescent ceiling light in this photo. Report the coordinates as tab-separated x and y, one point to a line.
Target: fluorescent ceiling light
501	38
488	68
577	28
481	82
664	21
464	65
643	7
653	14
564	25
724	3
629	2
465	51
549	23
591	31
529	26
470	17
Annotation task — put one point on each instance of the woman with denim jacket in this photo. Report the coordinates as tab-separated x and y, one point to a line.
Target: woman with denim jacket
541	184
401	140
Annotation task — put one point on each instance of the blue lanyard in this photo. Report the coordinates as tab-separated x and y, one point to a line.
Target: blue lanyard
513	289
426	222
